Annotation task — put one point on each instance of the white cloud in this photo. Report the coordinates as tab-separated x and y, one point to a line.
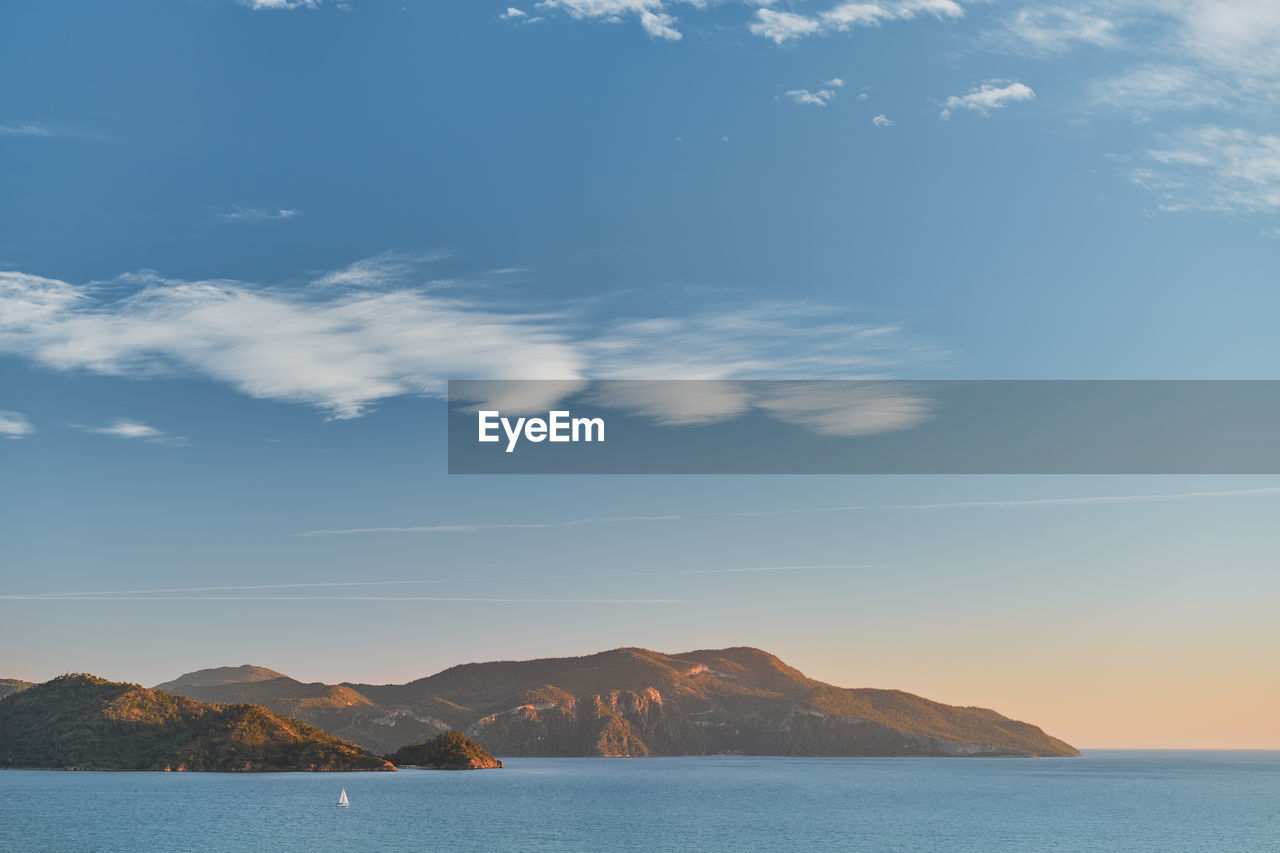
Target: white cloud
279	4
882	121
1228	170
127	428
15	425
989	96
820	97
1195	55
518	16
660	25
1241	36
342	349
339	351
783	27
651	14
257	214
804	96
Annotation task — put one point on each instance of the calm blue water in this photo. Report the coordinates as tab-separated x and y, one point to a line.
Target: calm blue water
1124	801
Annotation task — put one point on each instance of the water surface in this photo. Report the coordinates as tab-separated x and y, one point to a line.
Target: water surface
1122	801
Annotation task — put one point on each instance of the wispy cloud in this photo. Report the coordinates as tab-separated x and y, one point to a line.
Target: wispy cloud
882	120
386	268
1229	170
15	425
987	97
766	340
257	214
1051	30
27	129
343	348
1146	90
126	428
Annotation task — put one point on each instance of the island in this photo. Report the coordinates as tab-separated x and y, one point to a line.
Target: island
448	751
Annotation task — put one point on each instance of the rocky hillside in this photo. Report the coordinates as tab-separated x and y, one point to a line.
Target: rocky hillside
639	702
448	751
82	722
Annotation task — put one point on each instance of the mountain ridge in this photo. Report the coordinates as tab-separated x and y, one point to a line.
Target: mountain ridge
633	701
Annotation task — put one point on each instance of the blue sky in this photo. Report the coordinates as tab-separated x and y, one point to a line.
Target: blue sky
245	245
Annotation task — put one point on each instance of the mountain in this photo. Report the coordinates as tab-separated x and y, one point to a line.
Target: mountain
218	676
10	686
638	702
448	751
82	722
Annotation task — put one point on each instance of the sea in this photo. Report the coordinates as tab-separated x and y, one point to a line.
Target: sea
1105	800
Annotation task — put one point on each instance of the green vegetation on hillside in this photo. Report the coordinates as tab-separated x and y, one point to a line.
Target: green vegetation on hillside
88	723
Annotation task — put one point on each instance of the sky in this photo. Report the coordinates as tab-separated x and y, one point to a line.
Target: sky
244	245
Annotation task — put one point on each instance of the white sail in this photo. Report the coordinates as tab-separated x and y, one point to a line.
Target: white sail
342	798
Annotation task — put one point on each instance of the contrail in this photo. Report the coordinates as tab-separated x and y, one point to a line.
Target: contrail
1005	504
474	528
342	598
184	593
1033	502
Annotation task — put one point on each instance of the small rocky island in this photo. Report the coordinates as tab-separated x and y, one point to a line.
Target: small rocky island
448	751
82	722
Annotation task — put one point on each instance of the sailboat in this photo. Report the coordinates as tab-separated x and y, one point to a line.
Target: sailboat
342	799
